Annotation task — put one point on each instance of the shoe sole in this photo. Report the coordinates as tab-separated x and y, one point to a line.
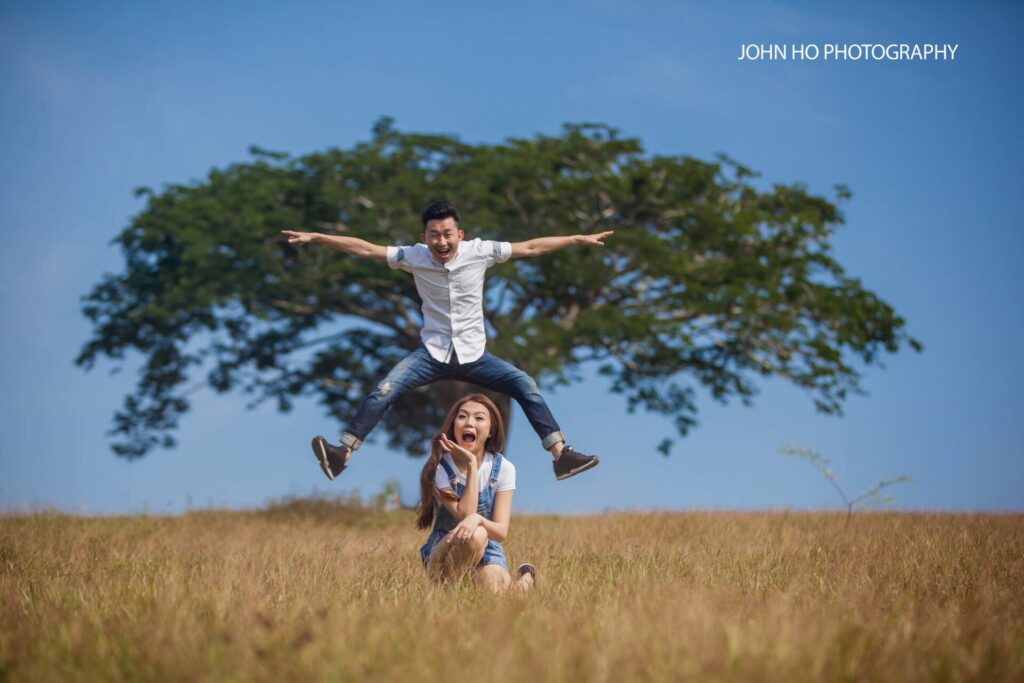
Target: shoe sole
582	468
320	451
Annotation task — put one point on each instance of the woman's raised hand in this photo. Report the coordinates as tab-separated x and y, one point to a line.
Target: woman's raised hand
460	455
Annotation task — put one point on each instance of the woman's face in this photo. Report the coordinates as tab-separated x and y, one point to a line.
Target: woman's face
472	426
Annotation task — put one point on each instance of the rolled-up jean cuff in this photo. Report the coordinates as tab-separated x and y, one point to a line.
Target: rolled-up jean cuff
351	441
551	439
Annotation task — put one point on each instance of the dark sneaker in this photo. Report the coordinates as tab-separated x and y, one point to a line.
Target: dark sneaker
572	462
331	458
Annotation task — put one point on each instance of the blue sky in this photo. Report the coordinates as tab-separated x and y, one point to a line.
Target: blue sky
100	98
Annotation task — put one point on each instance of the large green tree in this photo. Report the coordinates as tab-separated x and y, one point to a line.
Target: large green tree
708	281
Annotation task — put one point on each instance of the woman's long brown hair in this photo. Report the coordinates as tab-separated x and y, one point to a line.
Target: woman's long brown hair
495	443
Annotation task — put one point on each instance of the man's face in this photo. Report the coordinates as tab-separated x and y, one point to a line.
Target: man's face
443	237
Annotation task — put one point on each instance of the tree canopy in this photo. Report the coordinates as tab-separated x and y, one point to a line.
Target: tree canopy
708	281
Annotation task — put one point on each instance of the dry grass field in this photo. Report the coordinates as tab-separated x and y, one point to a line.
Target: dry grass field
312	590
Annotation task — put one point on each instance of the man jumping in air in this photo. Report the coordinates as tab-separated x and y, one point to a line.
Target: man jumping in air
449	275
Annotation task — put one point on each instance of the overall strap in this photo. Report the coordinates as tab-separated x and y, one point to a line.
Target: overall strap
495	468
453	479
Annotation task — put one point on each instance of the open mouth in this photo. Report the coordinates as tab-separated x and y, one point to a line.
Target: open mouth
468	438
443	251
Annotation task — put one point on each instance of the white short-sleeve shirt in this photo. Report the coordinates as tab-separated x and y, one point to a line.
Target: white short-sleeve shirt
452	294
506	475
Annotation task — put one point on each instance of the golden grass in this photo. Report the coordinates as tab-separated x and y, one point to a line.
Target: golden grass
320	591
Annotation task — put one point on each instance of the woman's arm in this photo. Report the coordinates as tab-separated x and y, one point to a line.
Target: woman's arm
463	458
455	505
452	503
497	528
471	496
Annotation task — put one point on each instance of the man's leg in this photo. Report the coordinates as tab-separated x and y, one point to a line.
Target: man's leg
415	370
499	375
494	373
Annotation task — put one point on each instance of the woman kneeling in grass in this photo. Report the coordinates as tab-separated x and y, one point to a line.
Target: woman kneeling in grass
466	491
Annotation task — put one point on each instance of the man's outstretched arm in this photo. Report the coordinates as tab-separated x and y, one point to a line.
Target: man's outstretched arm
348	245
546	245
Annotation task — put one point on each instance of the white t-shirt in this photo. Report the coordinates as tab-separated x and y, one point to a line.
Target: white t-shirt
452	294
506	476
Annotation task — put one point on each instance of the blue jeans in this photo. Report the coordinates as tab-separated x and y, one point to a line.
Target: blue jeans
488	371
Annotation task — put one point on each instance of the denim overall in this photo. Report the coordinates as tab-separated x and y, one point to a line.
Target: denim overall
444	522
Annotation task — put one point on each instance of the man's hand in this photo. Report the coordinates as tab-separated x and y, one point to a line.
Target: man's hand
299	238
545	245
596	240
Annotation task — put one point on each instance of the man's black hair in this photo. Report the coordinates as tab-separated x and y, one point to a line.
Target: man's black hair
438	211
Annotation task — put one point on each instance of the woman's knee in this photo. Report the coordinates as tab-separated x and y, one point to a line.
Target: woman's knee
449	560
478	541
